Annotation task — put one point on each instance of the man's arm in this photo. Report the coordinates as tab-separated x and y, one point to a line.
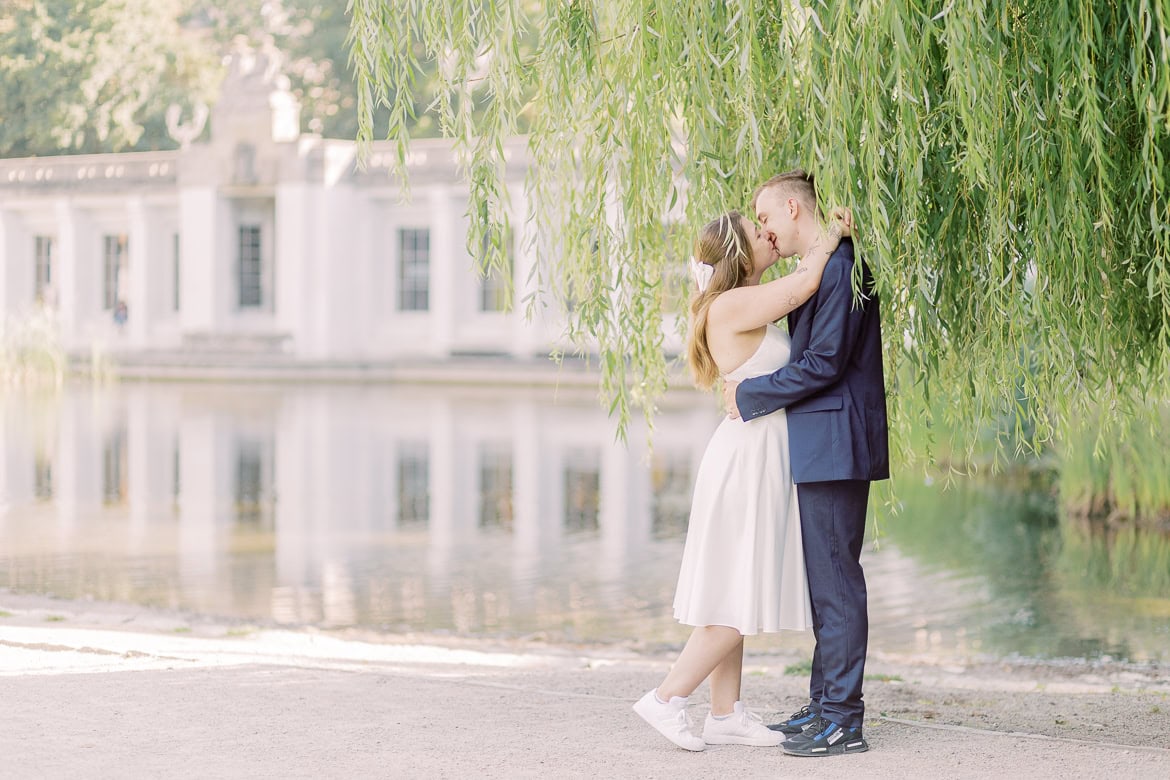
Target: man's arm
835	329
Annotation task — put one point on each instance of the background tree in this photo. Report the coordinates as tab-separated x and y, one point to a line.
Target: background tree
312	37
90	76
81	75
1007	163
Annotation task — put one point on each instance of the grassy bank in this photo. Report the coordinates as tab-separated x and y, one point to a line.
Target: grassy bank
1117	476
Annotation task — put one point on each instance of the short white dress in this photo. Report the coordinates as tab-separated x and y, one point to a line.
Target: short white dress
743	564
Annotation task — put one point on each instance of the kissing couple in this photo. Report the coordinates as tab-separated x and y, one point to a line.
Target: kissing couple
778	514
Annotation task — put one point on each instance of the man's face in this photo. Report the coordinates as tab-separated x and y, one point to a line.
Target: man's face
763	251
777	221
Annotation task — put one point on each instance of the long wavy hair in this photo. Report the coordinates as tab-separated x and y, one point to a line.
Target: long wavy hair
722	244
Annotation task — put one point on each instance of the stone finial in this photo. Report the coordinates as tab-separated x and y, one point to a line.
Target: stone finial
186	132
255	93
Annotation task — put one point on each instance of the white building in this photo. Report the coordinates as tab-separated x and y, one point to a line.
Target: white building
261	246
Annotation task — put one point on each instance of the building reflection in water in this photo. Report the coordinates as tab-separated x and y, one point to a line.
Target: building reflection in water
433	508
506	511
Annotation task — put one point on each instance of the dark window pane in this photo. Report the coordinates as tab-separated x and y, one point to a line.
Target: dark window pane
495	486
582	490
414	504
43	273
670	481
43	478
414	268
113	255
494	289
254	492
114	468
250	267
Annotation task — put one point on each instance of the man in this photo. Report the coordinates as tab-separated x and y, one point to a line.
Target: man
833	391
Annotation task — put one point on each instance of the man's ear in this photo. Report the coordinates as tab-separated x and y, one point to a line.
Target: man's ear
793	208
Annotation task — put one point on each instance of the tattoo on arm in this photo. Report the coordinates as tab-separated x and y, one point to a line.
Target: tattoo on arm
793	301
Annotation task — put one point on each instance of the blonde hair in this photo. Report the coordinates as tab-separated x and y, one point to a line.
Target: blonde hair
791	184
723	244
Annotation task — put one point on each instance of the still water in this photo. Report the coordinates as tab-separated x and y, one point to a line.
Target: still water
480	511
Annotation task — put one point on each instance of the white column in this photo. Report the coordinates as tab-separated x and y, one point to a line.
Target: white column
340	288
442	529
7	462
443	270
139	305
146	464
528	504
294	269
204	488
625	500
77	275
295	487
614	503
16	264
368	284
76	480
25	436
202	245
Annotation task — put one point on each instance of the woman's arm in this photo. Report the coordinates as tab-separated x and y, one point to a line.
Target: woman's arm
745	309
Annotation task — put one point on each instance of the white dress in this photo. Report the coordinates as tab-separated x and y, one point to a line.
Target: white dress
743	564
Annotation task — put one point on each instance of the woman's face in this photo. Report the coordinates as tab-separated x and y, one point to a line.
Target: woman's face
764	254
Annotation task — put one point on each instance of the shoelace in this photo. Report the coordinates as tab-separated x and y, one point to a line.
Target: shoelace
804	713
748	716
684	722
817	726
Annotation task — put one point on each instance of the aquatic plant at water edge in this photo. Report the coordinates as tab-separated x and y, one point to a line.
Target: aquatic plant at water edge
31	351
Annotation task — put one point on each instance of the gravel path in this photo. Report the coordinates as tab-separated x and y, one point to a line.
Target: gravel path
118	693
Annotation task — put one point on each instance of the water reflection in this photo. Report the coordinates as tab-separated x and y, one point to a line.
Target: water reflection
470	510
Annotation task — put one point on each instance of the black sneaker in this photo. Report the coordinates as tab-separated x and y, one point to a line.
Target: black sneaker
822	737
796	723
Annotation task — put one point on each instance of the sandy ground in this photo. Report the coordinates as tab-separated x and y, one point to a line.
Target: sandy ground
98	690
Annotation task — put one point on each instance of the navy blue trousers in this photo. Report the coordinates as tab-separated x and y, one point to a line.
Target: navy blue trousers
832	523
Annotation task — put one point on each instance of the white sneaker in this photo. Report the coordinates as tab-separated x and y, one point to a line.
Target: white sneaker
670	719
741	727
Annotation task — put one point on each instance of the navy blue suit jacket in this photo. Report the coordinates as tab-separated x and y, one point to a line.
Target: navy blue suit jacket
834	387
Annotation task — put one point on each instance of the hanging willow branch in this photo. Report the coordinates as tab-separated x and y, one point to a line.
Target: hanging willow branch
1007	162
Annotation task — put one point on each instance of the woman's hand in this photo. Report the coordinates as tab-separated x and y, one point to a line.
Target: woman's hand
842	218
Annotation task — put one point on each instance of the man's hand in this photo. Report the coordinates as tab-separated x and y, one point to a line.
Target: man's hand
729	399
843	217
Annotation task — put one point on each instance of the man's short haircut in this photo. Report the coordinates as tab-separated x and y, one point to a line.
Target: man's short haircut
791	184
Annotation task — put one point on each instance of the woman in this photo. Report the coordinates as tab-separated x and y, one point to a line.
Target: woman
743	565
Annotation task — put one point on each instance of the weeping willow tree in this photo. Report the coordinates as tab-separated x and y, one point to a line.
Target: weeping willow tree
1007	162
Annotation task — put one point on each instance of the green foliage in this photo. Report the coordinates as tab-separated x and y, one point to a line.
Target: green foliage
1007	163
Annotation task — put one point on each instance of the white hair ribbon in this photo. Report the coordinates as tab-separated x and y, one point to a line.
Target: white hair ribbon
701	273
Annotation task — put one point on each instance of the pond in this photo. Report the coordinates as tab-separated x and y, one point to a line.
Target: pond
484	511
